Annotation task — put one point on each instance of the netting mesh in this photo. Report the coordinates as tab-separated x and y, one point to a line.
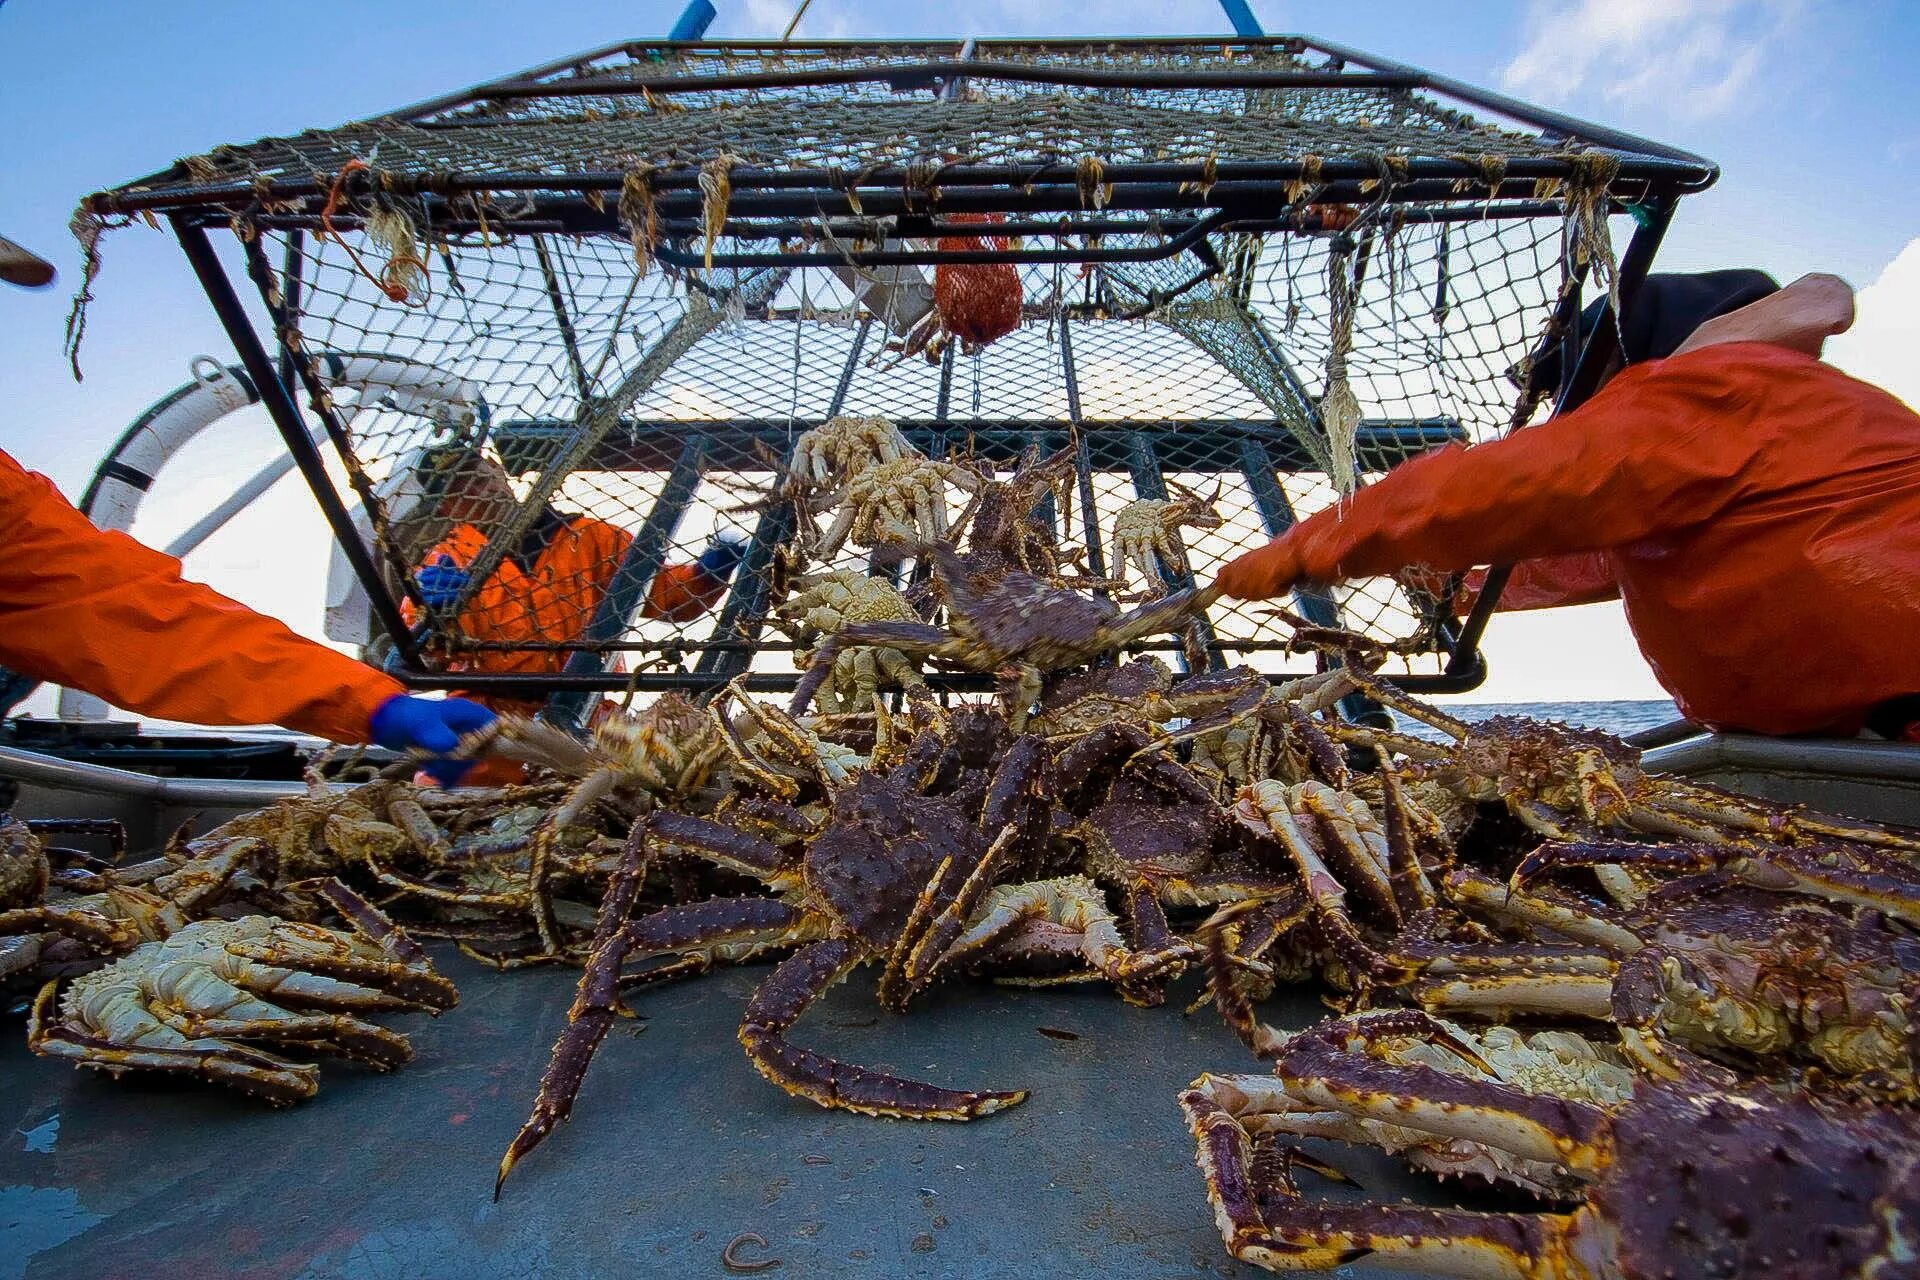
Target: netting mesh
596	445
1216	388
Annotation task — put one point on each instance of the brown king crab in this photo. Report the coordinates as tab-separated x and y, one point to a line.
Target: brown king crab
1759	977
1564	783
1679	1179
895	878
1019	629
1146	535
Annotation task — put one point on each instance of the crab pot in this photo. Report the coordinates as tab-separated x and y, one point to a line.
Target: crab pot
1265	271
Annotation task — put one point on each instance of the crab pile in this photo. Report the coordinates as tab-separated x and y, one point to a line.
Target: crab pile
1544	957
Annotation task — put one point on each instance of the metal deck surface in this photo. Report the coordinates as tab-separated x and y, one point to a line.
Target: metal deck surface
676	1148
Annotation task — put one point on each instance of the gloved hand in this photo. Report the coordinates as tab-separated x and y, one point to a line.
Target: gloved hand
441	583
404	723
1261	574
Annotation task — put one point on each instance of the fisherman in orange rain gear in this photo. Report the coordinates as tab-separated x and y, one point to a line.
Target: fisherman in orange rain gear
1756	510
99	612
544	592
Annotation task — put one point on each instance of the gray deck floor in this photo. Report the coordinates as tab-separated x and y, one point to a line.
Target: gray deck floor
676	1148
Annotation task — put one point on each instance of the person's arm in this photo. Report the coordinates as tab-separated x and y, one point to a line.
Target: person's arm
1551	582
100	612
1662	447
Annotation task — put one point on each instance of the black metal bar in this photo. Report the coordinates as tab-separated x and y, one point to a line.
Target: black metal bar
291	275
1082	461
513	685
286	416
571	217
1194	233
562	317
638	567
745	611
650	445
931	75
1513	108
1148	184
1599	349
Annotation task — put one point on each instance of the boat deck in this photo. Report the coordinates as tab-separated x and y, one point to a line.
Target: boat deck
676	1149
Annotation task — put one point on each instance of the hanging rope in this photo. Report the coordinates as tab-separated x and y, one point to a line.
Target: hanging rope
87	227
637	211
1588	242
715	190
1339	408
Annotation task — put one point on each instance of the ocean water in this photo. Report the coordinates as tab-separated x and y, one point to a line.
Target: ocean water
1620	718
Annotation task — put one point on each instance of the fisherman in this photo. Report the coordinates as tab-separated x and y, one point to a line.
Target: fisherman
542	595
99	612
1756	510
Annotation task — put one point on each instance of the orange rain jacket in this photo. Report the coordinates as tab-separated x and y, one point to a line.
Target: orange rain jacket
100	612
1757	511
549	600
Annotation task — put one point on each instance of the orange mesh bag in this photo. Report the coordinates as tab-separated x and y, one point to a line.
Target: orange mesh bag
978	302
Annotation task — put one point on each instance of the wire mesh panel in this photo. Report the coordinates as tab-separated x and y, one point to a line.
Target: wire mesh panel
1213	289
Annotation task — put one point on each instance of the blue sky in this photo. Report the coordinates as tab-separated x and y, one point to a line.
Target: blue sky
1807	104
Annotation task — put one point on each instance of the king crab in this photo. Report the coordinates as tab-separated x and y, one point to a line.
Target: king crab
1020	629
1677	1179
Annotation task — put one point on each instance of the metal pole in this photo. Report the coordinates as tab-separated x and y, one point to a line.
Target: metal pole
286	416
746	608
693	21
568	339
1082	462
1241	16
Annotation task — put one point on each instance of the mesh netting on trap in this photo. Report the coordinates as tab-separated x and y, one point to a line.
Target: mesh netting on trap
1250	278
658	410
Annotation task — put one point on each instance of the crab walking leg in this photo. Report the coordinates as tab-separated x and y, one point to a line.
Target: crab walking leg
593	1004
162	1048
927	954
1487	895
1412	891
1067	916
590	792
1857	876
1521	980
1532	1126
1263	1221
1264	809
778	1004
1223	978
692	928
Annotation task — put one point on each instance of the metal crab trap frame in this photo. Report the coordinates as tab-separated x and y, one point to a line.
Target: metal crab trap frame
1252	273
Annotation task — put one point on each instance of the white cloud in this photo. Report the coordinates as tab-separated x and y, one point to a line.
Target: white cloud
1691	57
1885	336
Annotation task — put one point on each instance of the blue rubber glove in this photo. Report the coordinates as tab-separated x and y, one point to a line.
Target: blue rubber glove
441	583
403	723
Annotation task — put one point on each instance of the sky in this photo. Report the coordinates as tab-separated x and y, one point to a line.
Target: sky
1807	105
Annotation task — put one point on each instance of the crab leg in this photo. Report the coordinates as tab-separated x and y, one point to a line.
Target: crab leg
1471	889
1858	876
1264	1221
261	1074
1533	1126
593	1006
778	1004
1412	891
